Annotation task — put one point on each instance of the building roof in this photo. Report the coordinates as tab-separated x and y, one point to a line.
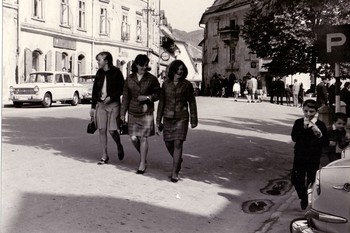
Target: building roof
222	5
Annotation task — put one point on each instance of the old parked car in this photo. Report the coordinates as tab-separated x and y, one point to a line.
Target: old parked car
330	201
87	80
46	87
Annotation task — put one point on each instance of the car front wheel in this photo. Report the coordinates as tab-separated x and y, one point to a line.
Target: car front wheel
75	99
47	101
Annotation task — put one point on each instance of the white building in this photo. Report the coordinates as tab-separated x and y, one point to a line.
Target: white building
52	35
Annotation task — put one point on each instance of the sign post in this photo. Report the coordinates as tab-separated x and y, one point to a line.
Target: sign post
333	46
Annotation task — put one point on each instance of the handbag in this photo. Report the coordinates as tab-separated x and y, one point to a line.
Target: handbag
123	128
91	128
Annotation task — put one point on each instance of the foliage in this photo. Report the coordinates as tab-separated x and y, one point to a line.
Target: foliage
284	30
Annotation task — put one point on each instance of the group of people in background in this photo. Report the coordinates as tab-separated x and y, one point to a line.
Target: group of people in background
177	108
293	94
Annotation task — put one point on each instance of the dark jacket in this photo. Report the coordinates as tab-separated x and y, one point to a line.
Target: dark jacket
322	96
306	143
148	86
175	100
115	83
338	136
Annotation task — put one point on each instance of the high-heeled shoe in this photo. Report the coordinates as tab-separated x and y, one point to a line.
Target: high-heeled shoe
103	161
140	172
174	180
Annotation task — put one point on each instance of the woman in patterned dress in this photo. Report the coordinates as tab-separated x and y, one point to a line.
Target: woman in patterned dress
141	90
177	95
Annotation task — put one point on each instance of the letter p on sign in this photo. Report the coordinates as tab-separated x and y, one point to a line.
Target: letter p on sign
333	43
335	39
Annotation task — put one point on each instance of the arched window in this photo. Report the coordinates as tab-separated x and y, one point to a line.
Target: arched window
36	60
81	65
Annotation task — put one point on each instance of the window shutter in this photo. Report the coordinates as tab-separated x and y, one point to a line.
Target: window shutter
48	64
72	68
58	61
28	62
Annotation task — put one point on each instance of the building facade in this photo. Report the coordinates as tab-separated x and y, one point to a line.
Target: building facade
65	34
224	50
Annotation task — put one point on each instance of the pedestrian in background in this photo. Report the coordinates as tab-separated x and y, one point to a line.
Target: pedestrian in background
273	90
236	90
105	106
345	97
321	92
310	136
288	94
280	89
255	88
172	115
141	90
301	94
249	89
295	90
338	138
260	91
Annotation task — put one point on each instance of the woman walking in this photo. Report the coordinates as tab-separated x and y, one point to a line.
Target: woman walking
141	90
176	96
106	92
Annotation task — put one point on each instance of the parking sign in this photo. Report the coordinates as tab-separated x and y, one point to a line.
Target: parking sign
333	43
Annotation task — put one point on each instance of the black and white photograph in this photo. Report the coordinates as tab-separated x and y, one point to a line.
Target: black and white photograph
175	116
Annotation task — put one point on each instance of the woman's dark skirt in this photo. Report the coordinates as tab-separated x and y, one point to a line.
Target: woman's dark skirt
142	125
175	129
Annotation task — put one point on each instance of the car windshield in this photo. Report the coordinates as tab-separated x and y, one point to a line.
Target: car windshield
86	79
40	78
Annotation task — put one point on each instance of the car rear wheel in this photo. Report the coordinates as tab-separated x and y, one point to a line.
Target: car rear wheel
17	104
75	99
47	101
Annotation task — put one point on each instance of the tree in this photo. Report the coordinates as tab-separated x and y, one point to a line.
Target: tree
284	31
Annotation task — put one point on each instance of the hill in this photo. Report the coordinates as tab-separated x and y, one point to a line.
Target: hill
192	38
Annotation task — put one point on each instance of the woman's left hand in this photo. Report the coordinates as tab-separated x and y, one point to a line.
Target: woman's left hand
142	98
107	100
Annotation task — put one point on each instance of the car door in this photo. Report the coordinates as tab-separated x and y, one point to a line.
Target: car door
68	87
58	90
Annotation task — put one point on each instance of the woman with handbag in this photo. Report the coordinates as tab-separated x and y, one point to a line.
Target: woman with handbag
141	90
177	95
105	107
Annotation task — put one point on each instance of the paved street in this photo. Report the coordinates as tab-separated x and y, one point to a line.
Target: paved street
235	176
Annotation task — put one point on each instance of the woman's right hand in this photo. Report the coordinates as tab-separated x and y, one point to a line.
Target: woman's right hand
92	112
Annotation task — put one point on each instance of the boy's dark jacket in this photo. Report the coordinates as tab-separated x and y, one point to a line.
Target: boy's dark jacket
338	136
306	143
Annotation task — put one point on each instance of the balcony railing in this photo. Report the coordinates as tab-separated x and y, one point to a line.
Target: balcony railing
230	34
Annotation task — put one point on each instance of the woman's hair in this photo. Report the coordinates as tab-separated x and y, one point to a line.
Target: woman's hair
311	104
140	60
174	66
107	56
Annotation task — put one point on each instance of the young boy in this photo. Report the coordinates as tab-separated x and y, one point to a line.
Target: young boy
338	138
309	135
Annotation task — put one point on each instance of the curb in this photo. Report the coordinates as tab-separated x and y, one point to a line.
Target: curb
266	227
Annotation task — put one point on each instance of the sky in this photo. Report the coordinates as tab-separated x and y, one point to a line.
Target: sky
185	14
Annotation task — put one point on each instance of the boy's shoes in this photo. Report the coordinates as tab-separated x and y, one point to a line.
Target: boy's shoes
303	203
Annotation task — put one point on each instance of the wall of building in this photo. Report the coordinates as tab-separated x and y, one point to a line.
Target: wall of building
9	48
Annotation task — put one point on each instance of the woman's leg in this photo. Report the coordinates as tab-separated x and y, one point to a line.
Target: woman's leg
177	159
103	143
170	147
143	153
116	137
136	142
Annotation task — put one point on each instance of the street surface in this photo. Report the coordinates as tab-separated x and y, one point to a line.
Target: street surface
234	179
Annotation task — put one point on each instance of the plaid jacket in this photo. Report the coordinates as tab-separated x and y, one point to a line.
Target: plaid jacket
148	86
175	100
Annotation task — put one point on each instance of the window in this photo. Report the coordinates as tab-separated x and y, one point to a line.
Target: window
38	9
67	78
125	28
103	22
138	31
64	13
215	28
232	54
58	78
214	56
81	16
